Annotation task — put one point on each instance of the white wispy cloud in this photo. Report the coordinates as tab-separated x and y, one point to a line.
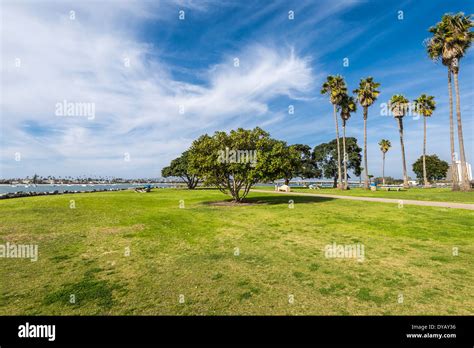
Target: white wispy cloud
137	106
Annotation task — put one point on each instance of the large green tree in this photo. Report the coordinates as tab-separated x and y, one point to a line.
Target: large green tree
288	163
425	106
436	168
301	163
451	39
335	87
367	94
235	161
325	158
179	167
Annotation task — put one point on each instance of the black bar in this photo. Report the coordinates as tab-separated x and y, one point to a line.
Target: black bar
135	330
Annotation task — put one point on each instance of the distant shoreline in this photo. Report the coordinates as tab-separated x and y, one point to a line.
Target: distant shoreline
24	190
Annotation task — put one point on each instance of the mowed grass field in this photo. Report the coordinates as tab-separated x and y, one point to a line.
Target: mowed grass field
184	261
419	194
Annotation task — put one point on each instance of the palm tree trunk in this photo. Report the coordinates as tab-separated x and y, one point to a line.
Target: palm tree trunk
338	150
345	154
383	168
465	184
425	180
366	167
405	177
454	166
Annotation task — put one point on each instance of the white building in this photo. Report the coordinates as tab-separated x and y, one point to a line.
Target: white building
458	164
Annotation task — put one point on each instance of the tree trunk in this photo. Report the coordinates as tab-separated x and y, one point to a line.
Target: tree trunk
246	189
338	150
454	166
345	154
425	179
235	194
383	168
465	184
405	177
287	182
191	181
195	181
335	182
366	168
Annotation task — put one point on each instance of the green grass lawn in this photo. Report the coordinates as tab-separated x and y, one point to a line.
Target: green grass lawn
279	267
420	194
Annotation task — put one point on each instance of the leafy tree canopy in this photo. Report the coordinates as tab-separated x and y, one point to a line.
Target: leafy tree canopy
179	167
385	145
325	158
367	92
335	87
425	105
235	161
399	105
451	39
436	169
301	163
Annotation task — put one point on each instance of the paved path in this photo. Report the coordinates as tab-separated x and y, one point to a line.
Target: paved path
374	199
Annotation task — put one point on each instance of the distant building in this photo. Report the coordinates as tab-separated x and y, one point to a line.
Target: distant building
458	164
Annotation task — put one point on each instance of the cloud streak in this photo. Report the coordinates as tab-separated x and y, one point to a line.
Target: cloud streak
141	109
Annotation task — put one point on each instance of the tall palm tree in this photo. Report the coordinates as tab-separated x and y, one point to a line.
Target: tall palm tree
335	87
451	39
367	93
346	106
385	145
399	106
424	106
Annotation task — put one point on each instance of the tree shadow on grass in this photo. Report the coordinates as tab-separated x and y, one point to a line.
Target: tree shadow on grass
270	200
284	199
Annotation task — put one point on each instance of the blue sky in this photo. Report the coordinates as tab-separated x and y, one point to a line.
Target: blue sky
158	82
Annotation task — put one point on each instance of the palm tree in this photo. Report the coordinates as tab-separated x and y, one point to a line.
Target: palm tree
367	93
451	39
399	107
385	145
335	87
425	105
346	106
